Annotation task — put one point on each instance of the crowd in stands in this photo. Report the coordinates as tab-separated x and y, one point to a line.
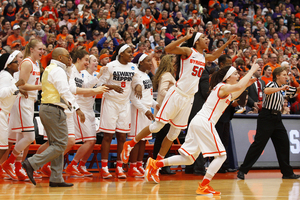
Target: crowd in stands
267	31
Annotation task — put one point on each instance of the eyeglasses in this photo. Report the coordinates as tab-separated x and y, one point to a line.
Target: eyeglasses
273	57
67	56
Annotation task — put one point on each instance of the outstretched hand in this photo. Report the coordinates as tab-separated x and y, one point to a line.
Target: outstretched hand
232	37
189	33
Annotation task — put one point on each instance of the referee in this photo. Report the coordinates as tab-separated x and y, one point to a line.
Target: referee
269	125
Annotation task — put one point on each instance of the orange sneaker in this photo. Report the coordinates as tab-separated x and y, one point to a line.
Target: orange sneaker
141	170
22	175
73	171
46	170
120	173
105	173
134	172
126	152
150	167
36	175
82	169
155	175
3	174
9	168
206	190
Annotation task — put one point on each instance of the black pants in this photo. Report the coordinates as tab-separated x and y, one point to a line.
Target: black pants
160	136
269	126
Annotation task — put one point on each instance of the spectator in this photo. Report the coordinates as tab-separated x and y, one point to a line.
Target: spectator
255	91
16	36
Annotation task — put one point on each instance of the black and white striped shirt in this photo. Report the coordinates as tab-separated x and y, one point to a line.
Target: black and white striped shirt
275	100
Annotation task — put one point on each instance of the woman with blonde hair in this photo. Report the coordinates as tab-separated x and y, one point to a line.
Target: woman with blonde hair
162	81
23	109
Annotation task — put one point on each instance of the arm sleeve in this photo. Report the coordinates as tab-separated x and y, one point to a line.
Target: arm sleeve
164	85
136	80
72	84
6	89
137	103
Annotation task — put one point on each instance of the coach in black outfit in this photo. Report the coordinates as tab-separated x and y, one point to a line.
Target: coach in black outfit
269	125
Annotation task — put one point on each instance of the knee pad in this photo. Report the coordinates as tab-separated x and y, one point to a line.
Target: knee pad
173	133
156	126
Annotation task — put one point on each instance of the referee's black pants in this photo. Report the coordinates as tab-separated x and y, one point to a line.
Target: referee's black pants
269	126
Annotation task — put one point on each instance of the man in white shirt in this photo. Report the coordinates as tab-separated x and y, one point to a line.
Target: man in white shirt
56	97
65	21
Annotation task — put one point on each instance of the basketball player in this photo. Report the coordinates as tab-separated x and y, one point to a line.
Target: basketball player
202	135
141	115
115	109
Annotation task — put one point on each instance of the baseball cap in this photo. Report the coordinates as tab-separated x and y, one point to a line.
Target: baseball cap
16	27
163	28
158	49
225	32
15	44
151	2
82	34
80	39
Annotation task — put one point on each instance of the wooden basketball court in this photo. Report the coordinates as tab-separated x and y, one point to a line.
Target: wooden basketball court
259	184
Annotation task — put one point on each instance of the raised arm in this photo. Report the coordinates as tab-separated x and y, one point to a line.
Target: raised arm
238	88
174	48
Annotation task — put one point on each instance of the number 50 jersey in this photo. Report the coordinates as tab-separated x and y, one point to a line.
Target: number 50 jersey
191	70
125	76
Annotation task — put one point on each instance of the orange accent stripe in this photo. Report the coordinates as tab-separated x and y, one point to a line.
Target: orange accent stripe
22	128
214	152
219	91
20	113
162	119
79	126
122	129
178	125
103	99
211	128
71	134
3	145
136	121
188	153
165	104
213	110
107	129
12	139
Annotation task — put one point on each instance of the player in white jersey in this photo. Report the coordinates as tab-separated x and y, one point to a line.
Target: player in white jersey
177	104
115	108
141	115
202	135
8	93
21	117
84	88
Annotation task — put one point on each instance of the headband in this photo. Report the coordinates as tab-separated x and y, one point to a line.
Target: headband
229	72
11	58
142	58
123	48
197	37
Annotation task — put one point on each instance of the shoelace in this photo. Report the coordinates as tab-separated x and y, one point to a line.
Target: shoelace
75	168
83	168
105	169
120	169
12	165
22	171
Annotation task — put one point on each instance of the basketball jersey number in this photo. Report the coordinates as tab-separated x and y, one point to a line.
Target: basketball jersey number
197	71
151	91
123	84
37	80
